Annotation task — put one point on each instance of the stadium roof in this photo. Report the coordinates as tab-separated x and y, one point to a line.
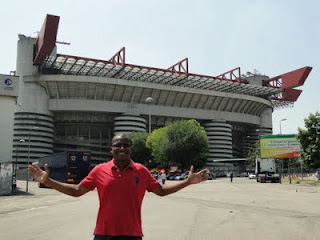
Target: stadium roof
73	65
280	89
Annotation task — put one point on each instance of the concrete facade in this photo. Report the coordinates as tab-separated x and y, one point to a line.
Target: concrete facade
60	111
8	95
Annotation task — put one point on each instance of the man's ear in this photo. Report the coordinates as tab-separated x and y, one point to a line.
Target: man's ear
110	149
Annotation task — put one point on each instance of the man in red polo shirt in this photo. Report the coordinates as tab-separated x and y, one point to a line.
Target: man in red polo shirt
121	185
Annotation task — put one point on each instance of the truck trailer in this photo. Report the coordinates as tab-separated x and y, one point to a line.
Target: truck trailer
67	167
266	170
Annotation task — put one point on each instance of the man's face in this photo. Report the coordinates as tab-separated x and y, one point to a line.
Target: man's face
121	149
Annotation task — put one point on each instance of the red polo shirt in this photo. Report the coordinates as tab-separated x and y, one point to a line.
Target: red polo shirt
120	197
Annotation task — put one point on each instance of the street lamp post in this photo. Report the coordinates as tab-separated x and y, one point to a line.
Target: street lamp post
29	156
284	119
16	163
149	101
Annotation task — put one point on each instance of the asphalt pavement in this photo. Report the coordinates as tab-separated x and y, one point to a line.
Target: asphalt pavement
214	209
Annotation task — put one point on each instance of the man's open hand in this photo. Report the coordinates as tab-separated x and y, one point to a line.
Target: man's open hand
37	174
198	177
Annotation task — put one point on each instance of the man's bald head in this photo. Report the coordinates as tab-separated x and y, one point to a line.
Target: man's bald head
120	136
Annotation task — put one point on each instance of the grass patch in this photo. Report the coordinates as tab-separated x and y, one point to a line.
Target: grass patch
301	181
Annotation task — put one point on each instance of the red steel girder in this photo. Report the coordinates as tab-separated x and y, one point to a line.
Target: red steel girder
233	75
47	39
180	67
119	58
289	80
288	95
77	58
291	95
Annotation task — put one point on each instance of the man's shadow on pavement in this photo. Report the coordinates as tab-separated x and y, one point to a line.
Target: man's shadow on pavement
20	192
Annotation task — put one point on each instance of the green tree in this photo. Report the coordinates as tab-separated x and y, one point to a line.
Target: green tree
253	153
188	143
158	143
140	153
183	143
310	142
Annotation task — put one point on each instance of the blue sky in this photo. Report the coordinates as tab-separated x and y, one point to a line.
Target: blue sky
273	37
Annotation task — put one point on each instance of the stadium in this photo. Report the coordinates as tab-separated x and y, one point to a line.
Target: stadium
78	103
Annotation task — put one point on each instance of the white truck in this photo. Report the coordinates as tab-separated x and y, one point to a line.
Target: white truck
266	170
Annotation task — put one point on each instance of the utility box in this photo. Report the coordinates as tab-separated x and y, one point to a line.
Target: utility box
6	178
67	167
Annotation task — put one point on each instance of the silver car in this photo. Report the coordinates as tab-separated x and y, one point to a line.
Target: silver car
252	176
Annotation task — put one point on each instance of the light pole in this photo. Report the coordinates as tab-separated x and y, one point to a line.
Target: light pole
16	163
29	156
149	100
284	119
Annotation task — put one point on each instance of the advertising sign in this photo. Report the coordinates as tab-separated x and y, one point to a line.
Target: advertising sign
279	146
8	83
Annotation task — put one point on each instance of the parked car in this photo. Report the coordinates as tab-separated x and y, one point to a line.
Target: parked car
317	174
178	176
171	176
221	174
252	176
244	174
184	175
212	176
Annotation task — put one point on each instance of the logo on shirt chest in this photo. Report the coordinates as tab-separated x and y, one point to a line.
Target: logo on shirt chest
137	181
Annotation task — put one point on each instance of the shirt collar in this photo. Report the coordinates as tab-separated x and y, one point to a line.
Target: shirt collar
131	165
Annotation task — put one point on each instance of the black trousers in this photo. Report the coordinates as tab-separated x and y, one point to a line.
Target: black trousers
98	237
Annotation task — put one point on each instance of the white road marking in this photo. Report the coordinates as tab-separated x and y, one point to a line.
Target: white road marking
35	208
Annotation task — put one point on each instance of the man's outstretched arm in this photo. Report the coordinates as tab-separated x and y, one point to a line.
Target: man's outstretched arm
193	178
43	177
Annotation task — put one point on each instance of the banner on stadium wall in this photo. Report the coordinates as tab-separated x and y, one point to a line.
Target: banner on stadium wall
279	146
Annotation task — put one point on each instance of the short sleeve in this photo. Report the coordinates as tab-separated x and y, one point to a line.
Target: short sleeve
152	182
89	181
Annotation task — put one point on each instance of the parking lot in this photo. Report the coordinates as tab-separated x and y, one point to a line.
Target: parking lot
215	209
